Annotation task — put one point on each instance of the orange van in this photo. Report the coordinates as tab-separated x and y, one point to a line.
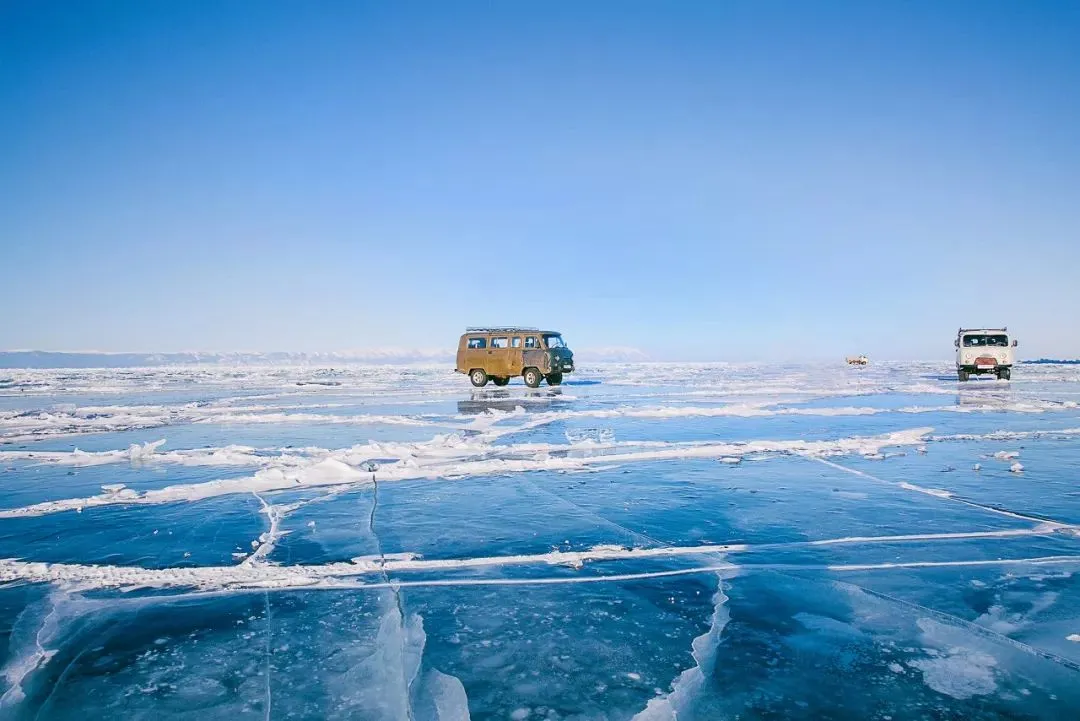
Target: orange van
499	354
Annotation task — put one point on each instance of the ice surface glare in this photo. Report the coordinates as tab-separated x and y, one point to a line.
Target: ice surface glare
20	427
649	541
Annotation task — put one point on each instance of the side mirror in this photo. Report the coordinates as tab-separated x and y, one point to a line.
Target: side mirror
1016	343
956	343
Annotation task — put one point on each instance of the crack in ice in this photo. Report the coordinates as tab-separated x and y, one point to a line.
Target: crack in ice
950	496
268	576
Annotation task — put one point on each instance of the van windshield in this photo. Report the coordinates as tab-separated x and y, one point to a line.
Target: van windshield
554	341
979	341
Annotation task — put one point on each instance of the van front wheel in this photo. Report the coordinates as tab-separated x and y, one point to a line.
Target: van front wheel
478	377
554	379
532	378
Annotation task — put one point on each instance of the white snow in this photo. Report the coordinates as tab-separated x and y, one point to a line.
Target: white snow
256	574
765	391
456	458
66	420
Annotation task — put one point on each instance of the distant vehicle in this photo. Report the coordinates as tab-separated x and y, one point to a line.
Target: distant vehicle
499	354
858	360
984	350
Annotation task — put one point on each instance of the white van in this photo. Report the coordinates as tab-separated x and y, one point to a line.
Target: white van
984	350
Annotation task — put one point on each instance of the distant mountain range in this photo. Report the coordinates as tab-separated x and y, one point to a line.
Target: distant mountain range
375	356
1053	361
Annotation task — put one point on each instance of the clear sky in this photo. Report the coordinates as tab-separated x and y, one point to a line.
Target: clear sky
701	180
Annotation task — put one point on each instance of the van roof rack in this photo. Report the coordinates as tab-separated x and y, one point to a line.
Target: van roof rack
499	328
1004	329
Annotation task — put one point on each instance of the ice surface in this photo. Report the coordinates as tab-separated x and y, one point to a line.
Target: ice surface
650	541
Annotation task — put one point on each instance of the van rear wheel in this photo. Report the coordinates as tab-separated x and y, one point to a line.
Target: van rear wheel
554	379
532	377
963	375
1004	374
500	380
478	377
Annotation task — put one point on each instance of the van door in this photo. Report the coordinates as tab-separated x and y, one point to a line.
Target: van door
499	356
516	360
533	354
476	350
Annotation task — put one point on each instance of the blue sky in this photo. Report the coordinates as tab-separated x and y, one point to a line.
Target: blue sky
729	181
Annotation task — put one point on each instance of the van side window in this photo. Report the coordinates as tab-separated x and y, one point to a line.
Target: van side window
500	342
477	343
515	342
530	342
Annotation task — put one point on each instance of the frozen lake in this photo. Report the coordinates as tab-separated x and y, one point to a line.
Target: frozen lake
647	541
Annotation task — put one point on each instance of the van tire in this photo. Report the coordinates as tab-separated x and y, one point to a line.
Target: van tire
554	379
532	377
500	380
1004	374
963	375
478	377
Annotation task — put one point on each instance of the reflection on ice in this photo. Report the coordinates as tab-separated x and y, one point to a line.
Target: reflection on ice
509	401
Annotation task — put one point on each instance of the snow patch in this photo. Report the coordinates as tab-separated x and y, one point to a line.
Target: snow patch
958	671
451	456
